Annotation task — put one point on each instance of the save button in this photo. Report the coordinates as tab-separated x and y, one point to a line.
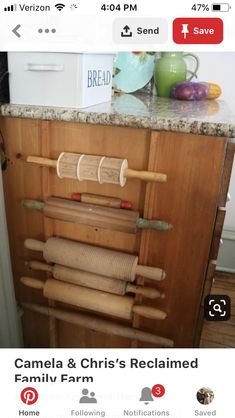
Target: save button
198	30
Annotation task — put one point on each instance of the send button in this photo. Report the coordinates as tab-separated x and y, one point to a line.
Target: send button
140	31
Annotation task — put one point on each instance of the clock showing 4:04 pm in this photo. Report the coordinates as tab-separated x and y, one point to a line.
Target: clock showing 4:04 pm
112	7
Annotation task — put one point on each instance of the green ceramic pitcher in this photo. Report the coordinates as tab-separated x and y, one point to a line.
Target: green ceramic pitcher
170	69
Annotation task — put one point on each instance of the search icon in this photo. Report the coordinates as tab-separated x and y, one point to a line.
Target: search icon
217	308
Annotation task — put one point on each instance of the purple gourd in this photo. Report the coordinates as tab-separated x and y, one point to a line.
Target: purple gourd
187	90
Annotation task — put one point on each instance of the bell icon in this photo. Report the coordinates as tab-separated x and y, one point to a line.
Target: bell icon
146	395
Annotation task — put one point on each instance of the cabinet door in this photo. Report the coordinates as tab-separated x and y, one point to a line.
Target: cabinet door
22	180
188	200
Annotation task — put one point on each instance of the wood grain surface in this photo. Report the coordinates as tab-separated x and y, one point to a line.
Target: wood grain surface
188	200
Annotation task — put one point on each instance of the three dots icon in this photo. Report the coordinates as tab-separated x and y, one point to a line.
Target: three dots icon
40	30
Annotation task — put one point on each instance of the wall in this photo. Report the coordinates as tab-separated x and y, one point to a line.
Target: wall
10	330
220	68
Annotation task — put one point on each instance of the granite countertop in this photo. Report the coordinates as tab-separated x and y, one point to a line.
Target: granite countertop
209	117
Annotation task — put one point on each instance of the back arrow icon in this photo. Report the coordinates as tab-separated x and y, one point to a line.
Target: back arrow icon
15	31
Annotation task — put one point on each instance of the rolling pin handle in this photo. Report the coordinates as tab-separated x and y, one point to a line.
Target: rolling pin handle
32	282
155	225
34	244
38	265
145	175
76	196
148	312
33	204
147	292
125	204
45	162
153	273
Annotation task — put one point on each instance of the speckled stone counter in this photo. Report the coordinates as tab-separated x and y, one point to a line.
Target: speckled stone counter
209	117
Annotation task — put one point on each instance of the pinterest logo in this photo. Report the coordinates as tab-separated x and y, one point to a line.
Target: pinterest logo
29	396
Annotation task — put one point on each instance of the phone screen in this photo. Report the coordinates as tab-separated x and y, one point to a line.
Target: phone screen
117	271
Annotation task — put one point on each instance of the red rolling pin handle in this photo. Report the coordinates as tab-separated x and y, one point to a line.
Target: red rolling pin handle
104	201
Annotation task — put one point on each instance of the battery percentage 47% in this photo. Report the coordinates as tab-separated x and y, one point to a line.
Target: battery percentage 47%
198	7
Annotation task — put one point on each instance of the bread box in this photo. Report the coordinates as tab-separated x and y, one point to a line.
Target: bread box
74	80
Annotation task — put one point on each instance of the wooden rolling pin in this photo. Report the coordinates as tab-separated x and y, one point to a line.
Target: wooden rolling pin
100	325
95	168
96	260
94	215
95	199
94	281
95	300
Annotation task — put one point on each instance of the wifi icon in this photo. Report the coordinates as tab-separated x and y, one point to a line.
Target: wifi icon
60	6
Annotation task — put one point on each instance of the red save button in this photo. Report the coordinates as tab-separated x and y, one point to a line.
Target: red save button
197	30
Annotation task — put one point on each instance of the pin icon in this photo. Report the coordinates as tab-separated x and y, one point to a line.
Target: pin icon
185	29
29	396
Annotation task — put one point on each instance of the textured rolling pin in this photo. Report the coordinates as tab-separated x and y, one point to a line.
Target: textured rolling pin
94	281
94	300
93	215
96	260
95	168
96	199
100	325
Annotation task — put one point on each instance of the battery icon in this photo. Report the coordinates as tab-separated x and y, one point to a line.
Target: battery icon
220	7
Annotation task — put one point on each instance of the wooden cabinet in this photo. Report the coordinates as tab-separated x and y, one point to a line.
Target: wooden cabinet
197	179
